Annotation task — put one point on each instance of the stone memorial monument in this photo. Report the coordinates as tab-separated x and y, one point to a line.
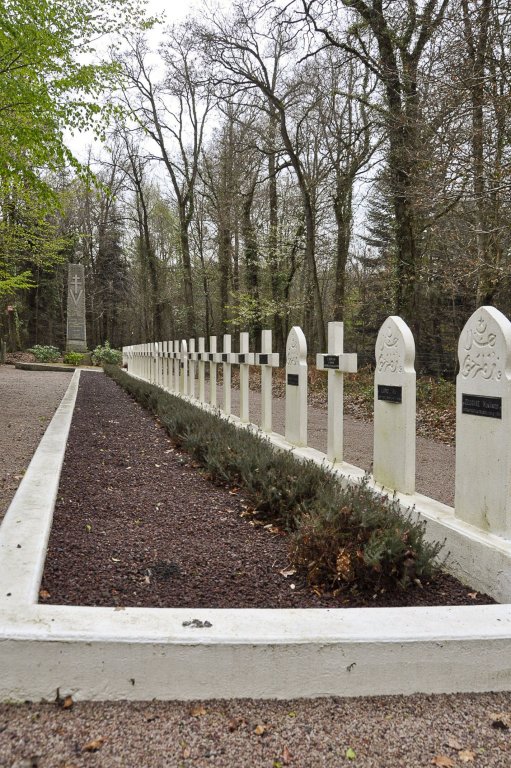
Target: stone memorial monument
76	329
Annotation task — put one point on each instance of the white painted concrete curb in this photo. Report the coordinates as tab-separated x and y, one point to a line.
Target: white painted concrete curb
27	523
141	653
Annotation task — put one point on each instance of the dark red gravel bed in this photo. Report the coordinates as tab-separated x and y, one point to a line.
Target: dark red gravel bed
137	524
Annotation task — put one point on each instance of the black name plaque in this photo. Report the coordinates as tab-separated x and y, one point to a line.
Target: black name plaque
479	405
390	394
331	361
292	379
263	359
242	358
224	358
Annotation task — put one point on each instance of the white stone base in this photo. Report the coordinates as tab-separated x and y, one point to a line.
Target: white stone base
146	653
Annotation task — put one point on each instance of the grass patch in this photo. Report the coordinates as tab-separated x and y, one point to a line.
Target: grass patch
343	538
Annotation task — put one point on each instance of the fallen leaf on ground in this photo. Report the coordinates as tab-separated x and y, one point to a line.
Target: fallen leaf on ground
186	752
68	702
260	729
287	572
286	756
198	710
466	755
350	753
443	761
472	595
44	594
235	722
94	745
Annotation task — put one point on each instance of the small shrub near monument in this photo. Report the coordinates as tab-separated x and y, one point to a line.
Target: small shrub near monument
103	354
342	538
73	358
45	353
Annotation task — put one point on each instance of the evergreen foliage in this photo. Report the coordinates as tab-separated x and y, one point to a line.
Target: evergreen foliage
341	537
103	354
73	358
45	353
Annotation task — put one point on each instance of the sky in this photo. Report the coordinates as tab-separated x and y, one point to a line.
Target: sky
174	11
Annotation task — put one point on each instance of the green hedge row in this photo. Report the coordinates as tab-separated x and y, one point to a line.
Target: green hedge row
343	537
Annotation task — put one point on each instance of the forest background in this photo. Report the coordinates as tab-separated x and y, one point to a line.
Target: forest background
264	164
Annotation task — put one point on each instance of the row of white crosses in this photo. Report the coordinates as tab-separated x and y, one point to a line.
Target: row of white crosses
483	396
173	365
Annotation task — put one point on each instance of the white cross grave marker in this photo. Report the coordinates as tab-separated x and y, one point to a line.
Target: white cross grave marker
170	367
164	364
158	363
152	362
183	368
192	356
202	369
296	387
337	363
244	359
212	371
227	373
143	373
176	365
267	360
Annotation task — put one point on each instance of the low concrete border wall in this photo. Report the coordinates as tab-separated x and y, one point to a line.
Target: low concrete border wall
140	653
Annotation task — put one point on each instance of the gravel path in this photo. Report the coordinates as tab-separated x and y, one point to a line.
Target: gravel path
27	403
384	732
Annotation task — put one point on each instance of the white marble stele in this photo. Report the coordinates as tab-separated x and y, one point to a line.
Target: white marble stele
483	423
394	407
296	387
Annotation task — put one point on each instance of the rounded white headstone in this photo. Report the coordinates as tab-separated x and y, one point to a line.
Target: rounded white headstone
296	347
483	423
484	348
395	347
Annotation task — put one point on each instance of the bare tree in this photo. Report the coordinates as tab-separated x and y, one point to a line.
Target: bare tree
401	32
173	113
252	47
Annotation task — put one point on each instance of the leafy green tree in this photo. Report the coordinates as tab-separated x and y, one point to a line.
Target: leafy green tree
49	81
47	78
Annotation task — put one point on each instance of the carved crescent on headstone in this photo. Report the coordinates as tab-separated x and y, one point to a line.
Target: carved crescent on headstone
484	348
296	347
395	347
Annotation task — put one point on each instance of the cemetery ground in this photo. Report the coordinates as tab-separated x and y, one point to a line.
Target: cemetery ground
419	730
141	513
